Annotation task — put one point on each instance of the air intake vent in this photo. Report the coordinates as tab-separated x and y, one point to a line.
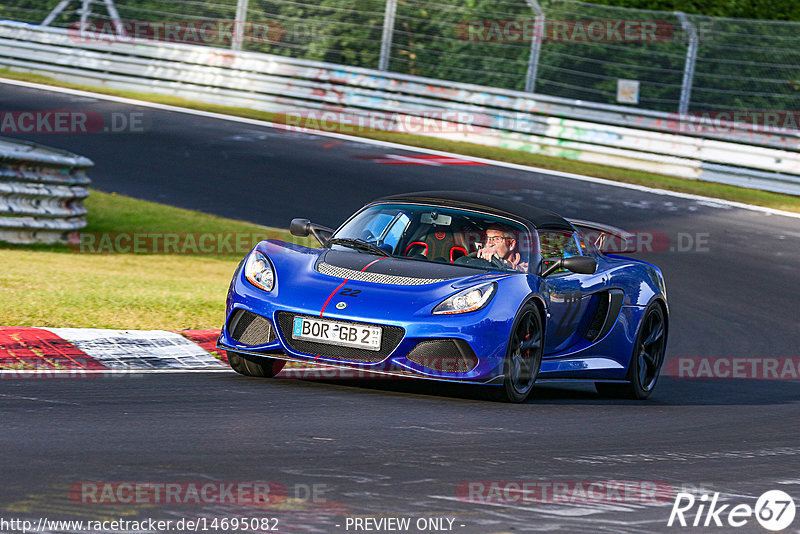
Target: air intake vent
250	329
375	278
609	305
445	355
599	318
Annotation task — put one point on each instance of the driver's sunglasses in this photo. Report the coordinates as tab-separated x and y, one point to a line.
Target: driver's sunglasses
497	238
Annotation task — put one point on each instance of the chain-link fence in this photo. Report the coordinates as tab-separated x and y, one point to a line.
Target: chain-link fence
649	59
589	69
746	64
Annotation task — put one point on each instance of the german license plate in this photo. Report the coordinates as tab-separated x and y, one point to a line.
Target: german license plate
359	336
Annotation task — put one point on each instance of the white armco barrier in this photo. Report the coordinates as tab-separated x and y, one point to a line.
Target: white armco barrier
314	93
41	192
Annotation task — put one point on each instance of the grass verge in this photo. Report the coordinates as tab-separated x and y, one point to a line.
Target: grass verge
51	285
710	189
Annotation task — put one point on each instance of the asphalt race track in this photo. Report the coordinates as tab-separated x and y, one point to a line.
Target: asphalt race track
379	449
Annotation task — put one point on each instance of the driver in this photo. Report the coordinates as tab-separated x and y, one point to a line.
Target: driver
500	246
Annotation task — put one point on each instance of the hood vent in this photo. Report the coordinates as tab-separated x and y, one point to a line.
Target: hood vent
375	278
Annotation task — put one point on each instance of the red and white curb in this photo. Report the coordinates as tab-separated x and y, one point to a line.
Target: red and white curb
132	349
88	350
27	352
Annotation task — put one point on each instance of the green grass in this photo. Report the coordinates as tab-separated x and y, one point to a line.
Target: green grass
710	189
115	213
51	285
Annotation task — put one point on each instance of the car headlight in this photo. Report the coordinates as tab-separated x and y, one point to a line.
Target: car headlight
258	271
471	299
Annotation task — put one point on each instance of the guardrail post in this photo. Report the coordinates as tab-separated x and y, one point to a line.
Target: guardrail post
386	38
691	58
238	30
536	45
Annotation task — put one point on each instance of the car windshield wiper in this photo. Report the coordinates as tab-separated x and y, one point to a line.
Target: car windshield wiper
358	244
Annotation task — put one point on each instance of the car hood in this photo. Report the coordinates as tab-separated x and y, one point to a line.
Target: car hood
306	278
388	270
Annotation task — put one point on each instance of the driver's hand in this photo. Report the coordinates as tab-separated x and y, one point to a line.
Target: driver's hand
487	253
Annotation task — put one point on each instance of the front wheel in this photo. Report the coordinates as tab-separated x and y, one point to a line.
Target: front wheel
247	365
646	360
523	355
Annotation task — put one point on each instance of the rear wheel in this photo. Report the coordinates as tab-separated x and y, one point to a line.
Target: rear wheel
254	365
523	355
646	360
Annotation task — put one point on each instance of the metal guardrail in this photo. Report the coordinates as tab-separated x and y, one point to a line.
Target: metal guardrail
732	153
41	192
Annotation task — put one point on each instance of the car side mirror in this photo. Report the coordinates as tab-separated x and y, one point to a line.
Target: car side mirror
574	264
304	228
300	227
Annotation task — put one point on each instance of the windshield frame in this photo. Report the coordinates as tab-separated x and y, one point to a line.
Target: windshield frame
534	258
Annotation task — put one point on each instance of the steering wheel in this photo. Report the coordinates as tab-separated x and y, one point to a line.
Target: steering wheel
472	260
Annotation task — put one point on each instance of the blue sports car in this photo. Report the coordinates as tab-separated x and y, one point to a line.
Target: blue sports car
453	286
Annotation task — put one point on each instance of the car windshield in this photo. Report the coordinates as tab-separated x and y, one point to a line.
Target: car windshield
438	234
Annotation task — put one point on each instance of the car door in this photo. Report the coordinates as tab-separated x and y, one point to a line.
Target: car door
568	292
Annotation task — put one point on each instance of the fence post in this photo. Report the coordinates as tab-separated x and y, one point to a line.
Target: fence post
238	29
536	45
112	10
691	58
386	38
62	5
85	11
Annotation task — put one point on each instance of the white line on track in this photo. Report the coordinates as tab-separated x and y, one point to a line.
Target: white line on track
713	202
37	399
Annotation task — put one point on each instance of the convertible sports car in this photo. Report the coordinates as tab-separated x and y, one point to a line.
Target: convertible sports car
453	286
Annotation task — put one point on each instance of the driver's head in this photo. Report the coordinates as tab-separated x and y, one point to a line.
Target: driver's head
501	238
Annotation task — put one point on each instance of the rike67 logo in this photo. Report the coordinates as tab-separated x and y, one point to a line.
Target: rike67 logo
774	510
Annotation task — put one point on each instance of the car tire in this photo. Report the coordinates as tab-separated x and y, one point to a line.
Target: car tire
523	356
646	360
258	366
